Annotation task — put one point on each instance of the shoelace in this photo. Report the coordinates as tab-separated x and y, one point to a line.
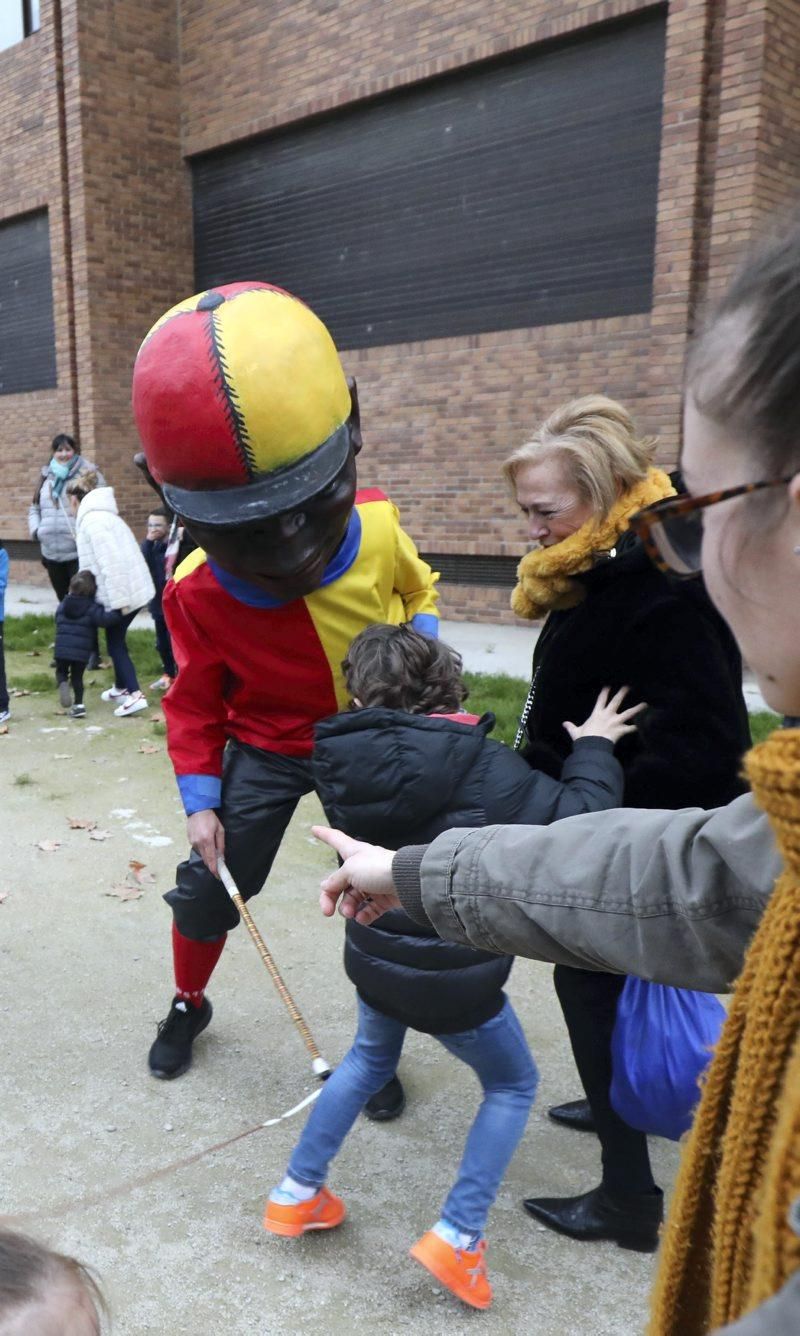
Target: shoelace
479	1269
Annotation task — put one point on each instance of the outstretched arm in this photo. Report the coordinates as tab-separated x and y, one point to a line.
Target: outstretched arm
671	896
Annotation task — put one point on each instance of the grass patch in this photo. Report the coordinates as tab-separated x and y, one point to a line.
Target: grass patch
158	729
762	723
22	780
35	631
503	695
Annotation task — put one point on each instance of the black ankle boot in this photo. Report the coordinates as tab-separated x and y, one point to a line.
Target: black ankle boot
386	1103
631	1222
577	1115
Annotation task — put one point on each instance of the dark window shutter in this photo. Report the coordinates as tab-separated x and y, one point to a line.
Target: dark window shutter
27	332
511	194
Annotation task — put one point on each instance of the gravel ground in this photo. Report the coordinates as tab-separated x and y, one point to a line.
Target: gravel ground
85	976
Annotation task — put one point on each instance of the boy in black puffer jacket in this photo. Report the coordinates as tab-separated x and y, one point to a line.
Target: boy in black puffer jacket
77	619
407	764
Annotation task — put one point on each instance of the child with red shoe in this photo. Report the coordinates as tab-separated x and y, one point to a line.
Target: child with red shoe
406	764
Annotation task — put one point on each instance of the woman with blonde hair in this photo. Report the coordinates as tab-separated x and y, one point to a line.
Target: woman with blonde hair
613	619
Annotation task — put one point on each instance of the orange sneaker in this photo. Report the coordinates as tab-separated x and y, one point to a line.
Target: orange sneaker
464	1273
323	1211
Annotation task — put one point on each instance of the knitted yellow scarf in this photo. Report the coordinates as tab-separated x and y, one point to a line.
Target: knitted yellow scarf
727	1244
545	575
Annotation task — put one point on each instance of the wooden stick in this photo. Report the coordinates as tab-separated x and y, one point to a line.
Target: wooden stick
320	1066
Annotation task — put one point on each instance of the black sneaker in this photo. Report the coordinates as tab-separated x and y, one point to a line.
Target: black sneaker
171	1053
387	1103
77	712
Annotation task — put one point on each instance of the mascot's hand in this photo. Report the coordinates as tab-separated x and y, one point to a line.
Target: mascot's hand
207	836
363	886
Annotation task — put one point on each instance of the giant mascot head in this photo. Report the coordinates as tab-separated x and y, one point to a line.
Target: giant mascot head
250	430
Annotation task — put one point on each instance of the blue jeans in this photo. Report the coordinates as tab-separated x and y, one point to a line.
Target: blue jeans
497	1052
124	672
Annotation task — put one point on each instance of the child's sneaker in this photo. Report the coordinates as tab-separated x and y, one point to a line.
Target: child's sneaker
77	712
5	715
463	1273
131	705
114	693
161	683
322	1211
64	695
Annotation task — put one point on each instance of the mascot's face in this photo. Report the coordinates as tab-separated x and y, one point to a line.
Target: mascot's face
286	555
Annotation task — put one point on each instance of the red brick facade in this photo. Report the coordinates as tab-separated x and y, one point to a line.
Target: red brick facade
100	110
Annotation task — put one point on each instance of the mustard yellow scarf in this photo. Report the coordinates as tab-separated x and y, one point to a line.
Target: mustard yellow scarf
545	575
728	1245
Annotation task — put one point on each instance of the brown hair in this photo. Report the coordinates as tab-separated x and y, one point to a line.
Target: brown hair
596	440
83	484
83	584
28	1269
396	667
744	369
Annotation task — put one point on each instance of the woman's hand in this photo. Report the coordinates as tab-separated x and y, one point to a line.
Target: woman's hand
607	719
363	885
207	837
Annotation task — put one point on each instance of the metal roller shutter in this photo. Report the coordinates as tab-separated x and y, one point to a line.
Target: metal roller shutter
511	194
27	333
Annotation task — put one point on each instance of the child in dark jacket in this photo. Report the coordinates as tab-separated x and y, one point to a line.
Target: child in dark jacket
77	619
154	550
405	765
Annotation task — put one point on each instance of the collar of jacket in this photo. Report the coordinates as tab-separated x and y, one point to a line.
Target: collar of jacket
546	576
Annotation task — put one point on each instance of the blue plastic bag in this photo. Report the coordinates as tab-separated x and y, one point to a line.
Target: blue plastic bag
660	1047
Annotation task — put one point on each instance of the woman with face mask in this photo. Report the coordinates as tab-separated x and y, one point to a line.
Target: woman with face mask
689	898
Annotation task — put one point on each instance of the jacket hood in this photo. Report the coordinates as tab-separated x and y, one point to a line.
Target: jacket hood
381	770
102	498
76	606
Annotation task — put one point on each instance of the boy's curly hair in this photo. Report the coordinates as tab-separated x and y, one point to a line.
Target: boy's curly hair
396	667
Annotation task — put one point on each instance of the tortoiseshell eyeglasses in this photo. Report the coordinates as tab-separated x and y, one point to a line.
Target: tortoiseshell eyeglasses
672	530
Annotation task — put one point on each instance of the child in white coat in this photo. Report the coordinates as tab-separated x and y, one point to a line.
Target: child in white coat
108	548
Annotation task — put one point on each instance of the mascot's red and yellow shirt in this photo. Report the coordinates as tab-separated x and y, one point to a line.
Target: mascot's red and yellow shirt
264	672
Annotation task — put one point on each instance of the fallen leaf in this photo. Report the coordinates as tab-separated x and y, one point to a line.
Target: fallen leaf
81	823
143	877
124	893
63	756
48	846
157	717
15	691
34	653
149	748
3	896
3	728
99	834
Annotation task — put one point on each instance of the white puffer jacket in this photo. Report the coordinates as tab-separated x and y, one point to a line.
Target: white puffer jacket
107	548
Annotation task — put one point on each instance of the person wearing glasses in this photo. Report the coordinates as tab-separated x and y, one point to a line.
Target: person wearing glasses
613	619
690	898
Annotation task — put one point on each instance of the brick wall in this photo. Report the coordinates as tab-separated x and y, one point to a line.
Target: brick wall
30	170
135	86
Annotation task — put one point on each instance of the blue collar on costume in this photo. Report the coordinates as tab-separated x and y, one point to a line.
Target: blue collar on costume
245	592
